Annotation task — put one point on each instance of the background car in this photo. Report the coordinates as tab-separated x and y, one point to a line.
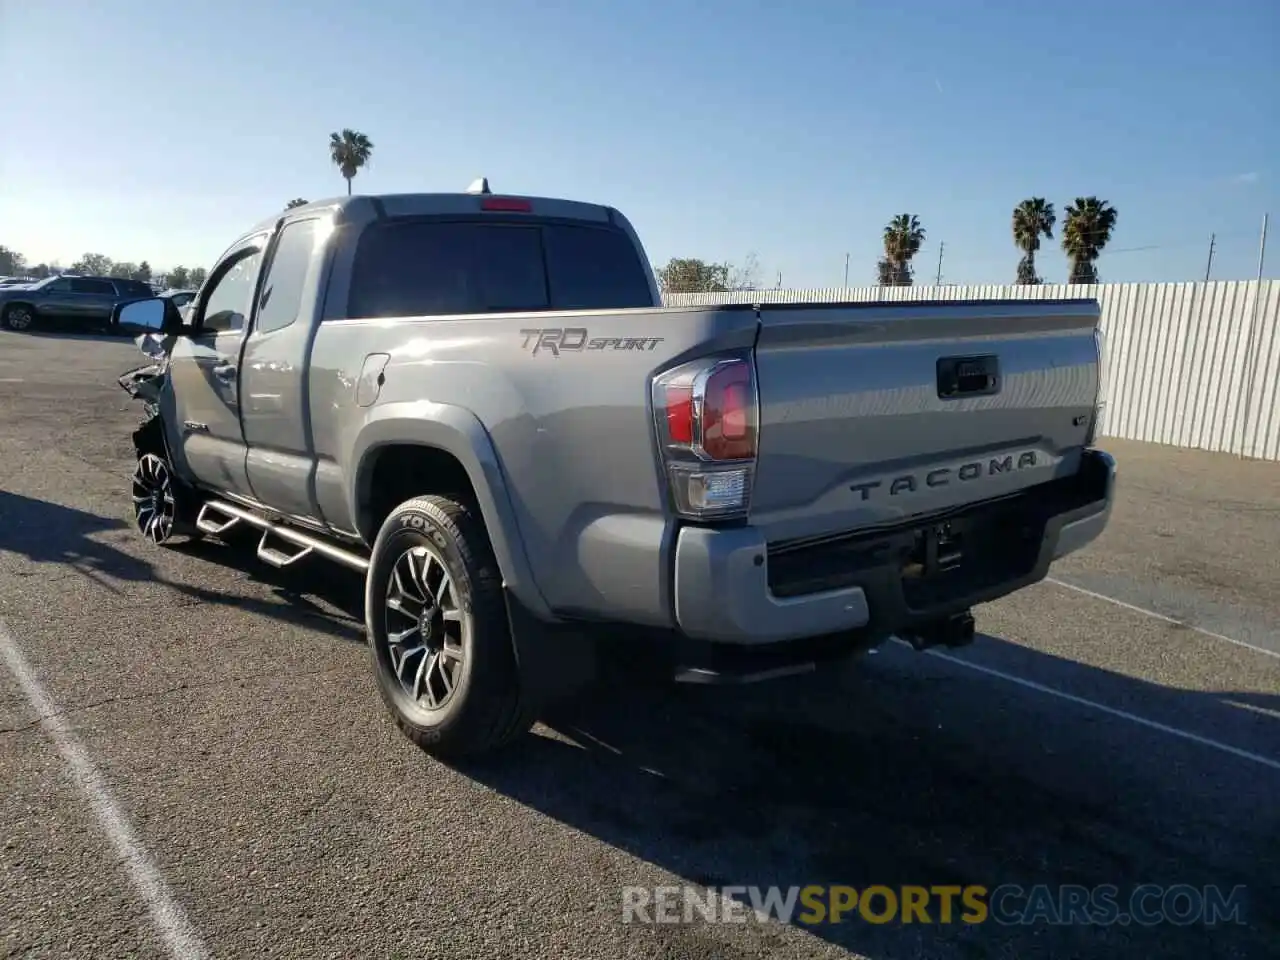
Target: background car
68	301
180	298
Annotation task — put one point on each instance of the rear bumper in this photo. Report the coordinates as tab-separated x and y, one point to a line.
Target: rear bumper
732	587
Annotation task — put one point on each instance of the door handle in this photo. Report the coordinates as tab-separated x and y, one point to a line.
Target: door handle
226	372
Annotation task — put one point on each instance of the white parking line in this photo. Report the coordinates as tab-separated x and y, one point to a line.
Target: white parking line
178	933
1103	708
1160	616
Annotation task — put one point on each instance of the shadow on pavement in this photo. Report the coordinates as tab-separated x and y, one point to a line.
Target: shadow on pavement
46	532
892	771
54	333
879	776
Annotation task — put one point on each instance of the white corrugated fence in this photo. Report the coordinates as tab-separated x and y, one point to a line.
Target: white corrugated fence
1188	364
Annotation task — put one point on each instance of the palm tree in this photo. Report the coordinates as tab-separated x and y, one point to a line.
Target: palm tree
1032	219
349	151
902	239
296	202
1086	230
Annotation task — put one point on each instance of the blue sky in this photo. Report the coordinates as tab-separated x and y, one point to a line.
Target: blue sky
793	131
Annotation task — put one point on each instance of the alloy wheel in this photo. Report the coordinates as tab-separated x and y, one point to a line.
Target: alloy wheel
426	628
154	505
18	318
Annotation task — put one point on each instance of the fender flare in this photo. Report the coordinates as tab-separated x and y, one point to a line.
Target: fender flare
458	432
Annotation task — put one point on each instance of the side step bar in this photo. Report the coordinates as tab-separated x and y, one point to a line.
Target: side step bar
277	558
218	516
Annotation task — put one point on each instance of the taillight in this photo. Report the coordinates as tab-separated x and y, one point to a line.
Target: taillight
706	413
729	412
506	205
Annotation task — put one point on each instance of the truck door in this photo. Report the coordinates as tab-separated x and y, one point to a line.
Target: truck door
205	372
56	299
280	454
92	299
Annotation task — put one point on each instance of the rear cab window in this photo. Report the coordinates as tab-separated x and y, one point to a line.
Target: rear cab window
434	267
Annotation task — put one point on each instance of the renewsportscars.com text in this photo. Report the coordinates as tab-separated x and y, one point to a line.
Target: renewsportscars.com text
1007	904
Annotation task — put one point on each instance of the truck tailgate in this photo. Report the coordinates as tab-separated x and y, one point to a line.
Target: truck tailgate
873	413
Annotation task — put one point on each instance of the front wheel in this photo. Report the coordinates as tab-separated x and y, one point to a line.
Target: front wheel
438	630
19	317
162	508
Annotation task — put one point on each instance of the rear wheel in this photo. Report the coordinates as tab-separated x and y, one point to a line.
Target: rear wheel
19	316
438	631
162	507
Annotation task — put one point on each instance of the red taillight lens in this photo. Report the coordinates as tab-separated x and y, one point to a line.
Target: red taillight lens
680	413
728	413
506	205
707	424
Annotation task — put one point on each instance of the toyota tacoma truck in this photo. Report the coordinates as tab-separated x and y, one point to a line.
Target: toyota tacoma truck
480	404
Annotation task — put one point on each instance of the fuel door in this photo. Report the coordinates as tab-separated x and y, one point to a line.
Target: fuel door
371	379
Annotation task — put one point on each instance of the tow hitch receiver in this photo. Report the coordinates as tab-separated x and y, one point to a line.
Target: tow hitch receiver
953	631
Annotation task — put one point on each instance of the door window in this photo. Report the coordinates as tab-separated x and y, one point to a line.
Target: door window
286	275
227	304
133	288
82	285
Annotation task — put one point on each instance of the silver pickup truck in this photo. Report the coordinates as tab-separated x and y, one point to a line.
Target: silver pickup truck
479	403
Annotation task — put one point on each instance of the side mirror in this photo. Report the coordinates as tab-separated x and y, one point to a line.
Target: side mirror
142	314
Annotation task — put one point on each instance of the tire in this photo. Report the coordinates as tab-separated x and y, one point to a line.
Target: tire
164	509
19	317
452	685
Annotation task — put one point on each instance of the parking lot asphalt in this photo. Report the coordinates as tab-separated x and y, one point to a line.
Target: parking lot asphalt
219	778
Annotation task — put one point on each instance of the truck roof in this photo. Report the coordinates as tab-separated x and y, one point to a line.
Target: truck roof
429	204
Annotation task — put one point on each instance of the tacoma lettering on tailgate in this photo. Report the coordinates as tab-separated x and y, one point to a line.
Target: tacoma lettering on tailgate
942	476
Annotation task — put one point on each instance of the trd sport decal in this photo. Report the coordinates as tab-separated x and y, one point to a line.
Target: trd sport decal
577	339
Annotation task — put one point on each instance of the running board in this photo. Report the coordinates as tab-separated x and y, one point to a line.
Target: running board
206	522
305	543
278	558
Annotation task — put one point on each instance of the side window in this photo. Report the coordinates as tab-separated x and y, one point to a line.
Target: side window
61	285
227	304
428	268
82	285
133	288
286	275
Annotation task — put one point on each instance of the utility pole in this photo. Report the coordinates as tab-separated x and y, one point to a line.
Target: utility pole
1209	266
1262	247
846	270
937	280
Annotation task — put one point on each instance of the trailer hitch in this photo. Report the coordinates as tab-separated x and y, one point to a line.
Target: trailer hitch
954	631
